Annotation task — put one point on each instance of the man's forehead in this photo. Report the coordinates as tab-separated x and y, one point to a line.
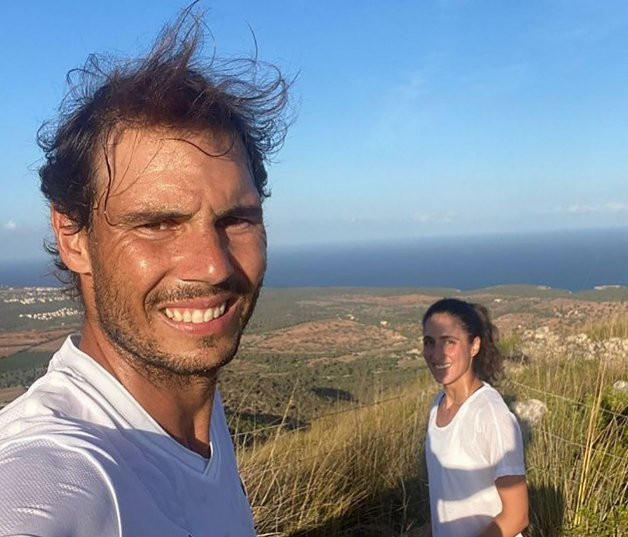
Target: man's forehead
150	143
131	153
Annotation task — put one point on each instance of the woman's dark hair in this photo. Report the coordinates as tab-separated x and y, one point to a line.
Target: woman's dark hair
476	321
170	87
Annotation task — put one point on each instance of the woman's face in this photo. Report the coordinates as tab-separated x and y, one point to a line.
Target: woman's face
449	350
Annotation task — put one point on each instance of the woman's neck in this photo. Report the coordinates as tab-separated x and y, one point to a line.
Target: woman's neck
458	392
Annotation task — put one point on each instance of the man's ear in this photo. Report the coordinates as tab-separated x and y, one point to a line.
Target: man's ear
72	244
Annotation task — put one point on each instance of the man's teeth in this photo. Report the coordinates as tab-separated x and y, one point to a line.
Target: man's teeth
194	315
441	366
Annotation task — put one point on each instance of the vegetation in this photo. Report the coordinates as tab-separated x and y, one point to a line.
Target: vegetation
616	326
509	345
20	377
577	459
357	472
361	472
25	361
330	424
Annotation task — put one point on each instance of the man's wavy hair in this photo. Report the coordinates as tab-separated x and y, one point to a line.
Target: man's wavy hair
170	87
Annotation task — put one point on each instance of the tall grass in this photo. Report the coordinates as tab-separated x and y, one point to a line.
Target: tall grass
358	469
578	459
616	326
361	472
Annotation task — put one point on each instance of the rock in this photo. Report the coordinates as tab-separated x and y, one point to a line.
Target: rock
621	386
530	414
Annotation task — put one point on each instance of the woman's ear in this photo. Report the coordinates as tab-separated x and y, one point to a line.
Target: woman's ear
72	244
475	346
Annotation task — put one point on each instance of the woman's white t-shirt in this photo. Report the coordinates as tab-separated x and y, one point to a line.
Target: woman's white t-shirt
465	457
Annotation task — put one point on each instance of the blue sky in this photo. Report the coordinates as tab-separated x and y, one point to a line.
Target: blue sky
414	118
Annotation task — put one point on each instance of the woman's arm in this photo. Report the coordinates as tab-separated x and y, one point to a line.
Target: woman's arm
513	518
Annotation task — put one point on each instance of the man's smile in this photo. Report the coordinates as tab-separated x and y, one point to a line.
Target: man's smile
195	315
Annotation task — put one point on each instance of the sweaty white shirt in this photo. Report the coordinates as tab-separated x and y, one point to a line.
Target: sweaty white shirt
465	457
79	457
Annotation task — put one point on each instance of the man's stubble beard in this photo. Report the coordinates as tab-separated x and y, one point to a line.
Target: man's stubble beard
115	319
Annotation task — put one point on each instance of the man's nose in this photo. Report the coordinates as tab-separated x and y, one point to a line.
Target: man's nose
206	257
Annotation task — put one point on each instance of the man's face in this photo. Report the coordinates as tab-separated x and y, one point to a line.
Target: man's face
177	249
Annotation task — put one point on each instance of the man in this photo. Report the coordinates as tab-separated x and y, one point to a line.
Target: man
155	177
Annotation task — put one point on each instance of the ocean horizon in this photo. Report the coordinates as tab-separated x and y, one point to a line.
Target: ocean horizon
570	260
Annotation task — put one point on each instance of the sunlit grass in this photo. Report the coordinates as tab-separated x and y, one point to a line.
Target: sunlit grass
359	468
615	326
362	470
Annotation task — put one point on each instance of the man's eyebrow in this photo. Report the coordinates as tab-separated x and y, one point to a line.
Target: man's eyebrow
254	212
151	215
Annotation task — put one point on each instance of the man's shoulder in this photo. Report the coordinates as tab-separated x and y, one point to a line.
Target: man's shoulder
84	473
36	435
45	471
50	404
49	449
75	398
58	419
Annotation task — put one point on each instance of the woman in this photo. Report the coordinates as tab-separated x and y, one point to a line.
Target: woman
474	449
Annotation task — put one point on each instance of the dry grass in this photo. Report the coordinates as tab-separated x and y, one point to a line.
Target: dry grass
578	459
361	472
355	469
615	326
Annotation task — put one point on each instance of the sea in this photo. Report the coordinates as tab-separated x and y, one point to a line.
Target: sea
570	260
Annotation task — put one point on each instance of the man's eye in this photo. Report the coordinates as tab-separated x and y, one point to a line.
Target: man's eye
163	225
235	221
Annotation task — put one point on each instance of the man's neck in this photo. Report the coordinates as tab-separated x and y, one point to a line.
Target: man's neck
180	404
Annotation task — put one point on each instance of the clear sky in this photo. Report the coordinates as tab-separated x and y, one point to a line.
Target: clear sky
415	118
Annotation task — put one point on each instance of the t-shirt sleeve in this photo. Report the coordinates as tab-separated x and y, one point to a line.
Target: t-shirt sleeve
50	491
503	442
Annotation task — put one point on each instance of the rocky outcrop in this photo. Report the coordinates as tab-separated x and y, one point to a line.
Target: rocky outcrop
542	343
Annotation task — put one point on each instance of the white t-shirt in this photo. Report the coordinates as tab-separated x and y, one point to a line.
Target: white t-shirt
465	457
79	457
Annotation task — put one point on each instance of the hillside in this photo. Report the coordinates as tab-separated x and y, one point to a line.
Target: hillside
328	396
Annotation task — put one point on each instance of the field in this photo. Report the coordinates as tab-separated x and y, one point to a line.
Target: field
328	397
